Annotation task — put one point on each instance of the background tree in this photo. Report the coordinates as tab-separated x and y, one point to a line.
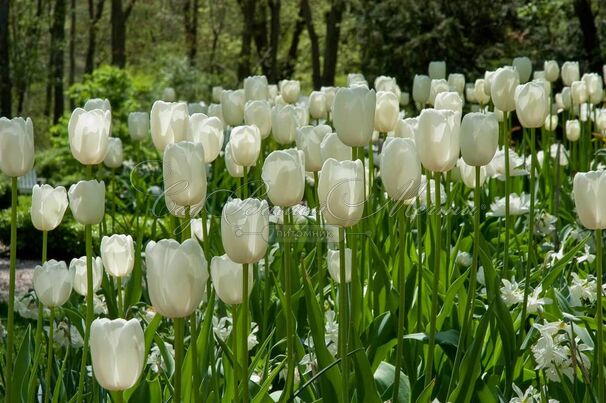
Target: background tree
5	72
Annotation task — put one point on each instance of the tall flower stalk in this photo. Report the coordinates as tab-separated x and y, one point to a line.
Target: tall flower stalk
11	292
343	316
403	224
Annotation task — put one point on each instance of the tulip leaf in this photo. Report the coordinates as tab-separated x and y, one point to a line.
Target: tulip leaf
22	365
133	289
384	378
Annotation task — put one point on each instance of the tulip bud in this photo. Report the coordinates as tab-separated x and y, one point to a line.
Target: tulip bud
16	146
386	111
551	122
589	189
341	192
356	79
595	91
216	94
420	89
169	123
245	229
301	115
48	206
87	201
400	169
118	254
258	113
437	70
538	75
601	119
456	82
89	135
331	93
77	268
245	145
406	128
309	139
573	130
333	147
232	105
470	93
531	104
216	110
578	92
570	72
196	107
207	131
255	88
182	211
113	157
138	125
523	66
436	87
480	91
284	124
437	139
97	103
169	94
404	98
559	101
479	138
552	70
353	115
176	276
272	93
235	170
227	279
503	87
317	105
284	177
290	91
184	173
53	283
449	101
117	349
567	97
468	174
488	76
334	265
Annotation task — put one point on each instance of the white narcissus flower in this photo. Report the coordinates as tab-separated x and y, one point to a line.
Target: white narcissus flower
16	146
518	205
582	289
511	293
118	254
48	206
53	283
77	267
535	302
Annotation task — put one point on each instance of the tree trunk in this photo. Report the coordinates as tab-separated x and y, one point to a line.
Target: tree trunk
190	17
57	54
331	43
93	18
591	41
274	40
288	68
248	14
260	37
118	34
217	17
72	49
5	73
316	74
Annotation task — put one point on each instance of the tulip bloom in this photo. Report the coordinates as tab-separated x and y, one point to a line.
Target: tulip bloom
290	91
169	94
437	70
331	93
386	111
468	174
436	87
87	201
456	82
406	128
283	124
216	110
284	177
531	104
523	66
89	135
216	93
232	103
184	173
245	145
245	229
420	89
353	115
235	170
169	123
552	70
578	92
227	279
258	113
570	72
53	283
479	138
207	131
334	265
16	146
589	189
595	90
400	169
437	139
117	349
317	105
341	192
503	87
384	83
309	139
479	91
77	268
138	125
114	157
118	254
255	88
176	276
332	147
97	103
450	100
48	206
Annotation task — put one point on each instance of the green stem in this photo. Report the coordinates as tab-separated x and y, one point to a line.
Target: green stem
343	317
244	334
89	308
419	268
38	350
114	198
234	338
319	254
49	358
290	325
401	308
193	323
435	284
120	300
179	327
119	396
11	293
599	319
507	190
